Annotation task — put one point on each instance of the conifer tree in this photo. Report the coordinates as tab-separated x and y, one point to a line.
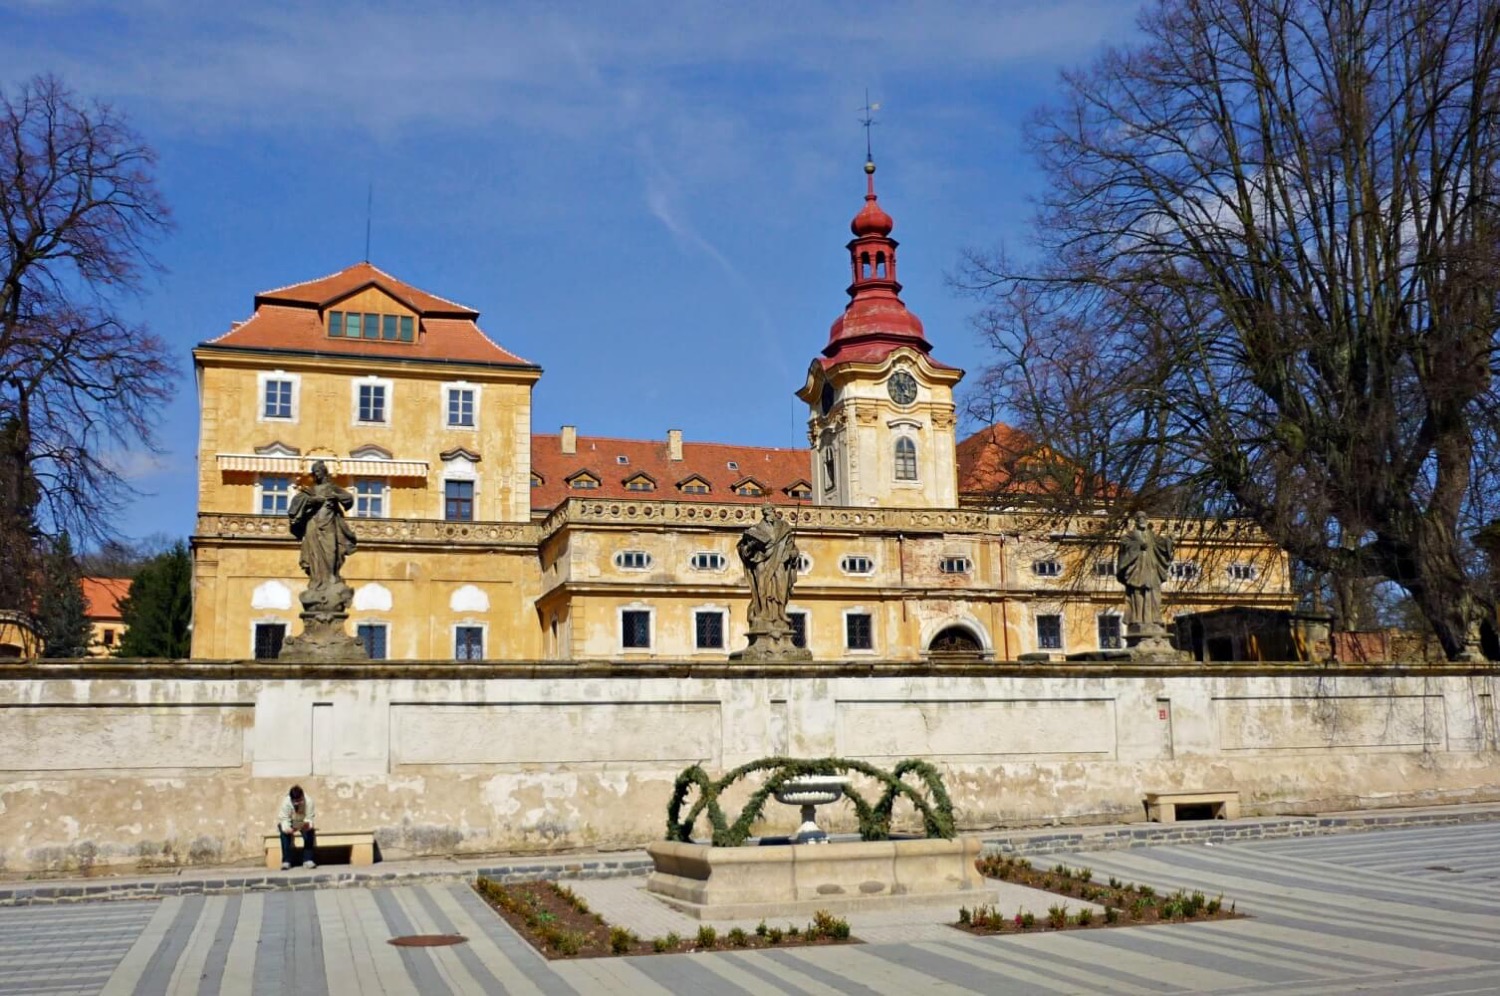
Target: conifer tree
61	614
158	611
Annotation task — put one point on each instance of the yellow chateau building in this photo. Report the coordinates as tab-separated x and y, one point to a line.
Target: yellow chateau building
481	540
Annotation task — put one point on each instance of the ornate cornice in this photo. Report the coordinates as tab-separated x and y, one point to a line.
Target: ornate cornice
375	532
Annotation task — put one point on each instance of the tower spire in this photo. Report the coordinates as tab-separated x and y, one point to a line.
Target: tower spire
869	122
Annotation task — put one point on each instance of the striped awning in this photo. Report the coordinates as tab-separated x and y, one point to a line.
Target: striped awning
255	463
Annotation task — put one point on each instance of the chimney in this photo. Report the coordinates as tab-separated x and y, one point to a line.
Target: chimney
674	444
570	439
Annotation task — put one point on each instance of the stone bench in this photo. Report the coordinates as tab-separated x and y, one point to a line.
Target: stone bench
1161	807
361	844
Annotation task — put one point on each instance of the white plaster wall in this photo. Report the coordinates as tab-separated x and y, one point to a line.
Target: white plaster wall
173	770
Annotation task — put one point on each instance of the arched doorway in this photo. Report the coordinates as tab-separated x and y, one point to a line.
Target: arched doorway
956	640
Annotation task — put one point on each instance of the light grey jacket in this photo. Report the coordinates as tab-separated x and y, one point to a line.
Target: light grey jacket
284	818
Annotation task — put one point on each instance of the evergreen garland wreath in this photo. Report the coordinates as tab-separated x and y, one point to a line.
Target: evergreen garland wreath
874	821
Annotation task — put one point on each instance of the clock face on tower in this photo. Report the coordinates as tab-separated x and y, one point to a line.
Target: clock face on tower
903	388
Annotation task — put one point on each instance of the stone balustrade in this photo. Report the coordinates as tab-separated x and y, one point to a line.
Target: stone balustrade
376	532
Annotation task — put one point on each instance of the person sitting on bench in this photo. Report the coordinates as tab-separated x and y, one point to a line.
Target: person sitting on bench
296	816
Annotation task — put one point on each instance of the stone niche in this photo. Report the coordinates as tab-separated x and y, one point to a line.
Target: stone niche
734	883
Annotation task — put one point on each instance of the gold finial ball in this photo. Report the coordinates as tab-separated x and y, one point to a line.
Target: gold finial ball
869	166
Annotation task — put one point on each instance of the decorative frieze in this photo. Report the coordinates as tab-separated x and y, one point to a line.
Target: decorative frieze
376	531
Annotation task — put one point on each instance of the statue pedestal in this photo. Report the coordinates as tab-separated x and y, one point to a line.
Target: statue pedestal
1149	643
322	640
771	646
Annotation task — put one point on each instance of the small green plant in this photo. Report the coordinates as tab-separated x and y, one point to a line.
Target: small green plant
792	930
621	940
1087	874
963	915
1114	883
659	945
738	938
826	925
1085	917
1111	915
1028	920
674	940
1057	916
1138	907
1146	891
761	930
774	936
1214	905
574	899
1172	909
1060	869
708	938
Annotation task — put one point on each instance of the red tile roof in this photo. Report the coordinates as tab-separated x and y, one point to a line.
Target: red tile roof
290	319
988	460
101	597
775	468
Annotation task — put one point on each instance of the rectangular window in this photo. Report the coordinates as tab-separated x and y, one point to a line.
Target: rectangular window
278	399
799	628
352	325
1242	572
1109	633
1046	568
372	402
369	499
1104	568
1185	570
859	633
275	492
372	326
1049	632
372	635
268	638
635	629
708	630
468	643
335	323
458	501
406	328
461	407
388	327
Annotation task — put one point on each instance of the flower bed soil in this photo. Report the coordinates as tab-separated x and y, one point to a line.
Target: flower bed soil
1125	903
559	924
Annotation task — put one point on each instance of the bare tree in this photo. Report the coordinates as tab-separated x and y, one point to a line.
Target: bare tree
80	384
1270	264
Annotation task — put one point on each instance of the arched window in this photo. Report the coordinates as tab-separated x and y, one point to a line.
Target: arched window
906	459
864	265
880	264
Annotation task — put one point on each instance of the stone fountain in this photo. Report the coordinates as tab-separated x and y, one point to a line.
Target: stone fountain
810	792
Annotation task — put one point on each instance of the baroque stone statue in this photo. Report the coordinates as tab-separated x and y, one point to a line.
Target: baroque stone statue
768	550
316	517
1142	565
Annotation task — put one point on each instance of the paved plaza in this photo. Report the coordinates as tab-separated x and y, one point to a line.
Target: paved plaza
1390	911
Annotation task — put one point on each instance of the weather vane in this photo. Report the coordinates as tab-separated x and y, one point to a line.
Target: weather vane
869	121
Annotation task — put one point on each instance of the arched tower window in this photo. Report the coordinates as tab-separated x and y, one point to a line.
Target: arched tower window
880	264
906	459
864	265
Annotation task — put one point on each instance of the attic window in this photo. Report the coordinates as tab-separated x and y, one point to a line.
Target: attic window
732	465
640	482
367	325
622	460
536	480
583	482
694	486
750	488
799	490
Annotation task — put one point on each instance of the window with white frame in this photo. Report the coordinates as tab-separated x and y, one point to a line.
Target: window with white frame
462	405
906	459
633	560
468	643
859	631
373	636
1109	631
1242	572
804	563
708	629
1049	632
955	565
458	501
854	564
635	629
1185	570
372	402
1046	568
708	561
277	397
275	493
1104	568
369	498
798	619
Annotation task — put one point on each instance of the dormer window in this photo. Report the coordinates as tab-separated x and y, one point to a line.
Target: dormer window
694	486
750	488
800	490
640	482
537	480
583	481
369	325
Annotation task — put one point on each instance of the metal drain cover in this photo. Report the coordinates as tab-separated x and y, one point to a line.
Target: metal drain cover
427	940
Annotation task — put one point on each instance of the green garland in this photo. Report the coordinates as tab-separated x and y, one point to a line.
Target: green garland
874	821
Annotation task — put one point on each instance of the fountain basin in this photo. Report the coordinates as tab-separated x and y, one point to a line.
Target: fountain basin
731	883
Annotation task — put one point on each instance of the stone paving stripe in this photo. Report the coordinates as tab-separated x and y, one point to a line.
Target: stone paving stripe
218	952
290	956
787	977
239	961
586	977
307	939
520	954
1243	937
847	963
1451	983
1036	962
128	973
743	969
509	977
832	979
935	962
1198	955
448	960
688	974
341	968
621	976
479	973
380	965
271	947
188	972
418	961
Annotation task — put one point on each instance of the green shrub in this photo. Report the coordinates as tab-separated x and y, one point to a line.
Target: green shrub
1085	917
621	940
659	945
674	940
963	915
1028	920
1214	905
1057	916
826	925
738	938
773	936
761	929
708	938
1111	915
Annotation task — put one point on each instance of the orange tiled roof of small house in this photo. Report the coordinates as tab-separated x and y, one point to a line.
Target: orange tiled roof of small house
295	319
781	474
101	597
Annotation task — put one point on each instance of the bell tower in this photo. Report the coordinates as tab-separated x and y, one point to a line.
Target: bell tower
881	415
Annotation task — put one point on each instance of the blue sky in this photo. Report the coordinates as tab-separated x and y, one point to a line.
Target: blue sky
649	200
